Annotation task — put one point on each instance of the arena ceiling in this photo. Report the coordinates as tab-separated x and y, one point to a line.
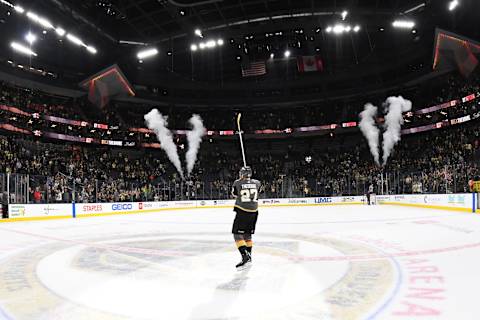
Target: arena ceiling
251	29
154	20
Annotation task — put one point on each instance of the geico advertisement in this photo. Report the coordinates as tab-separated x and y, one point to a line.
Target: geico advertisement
93	208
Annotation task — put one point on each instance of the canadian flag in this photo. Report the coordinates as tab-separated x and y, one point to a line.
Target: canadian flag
309	63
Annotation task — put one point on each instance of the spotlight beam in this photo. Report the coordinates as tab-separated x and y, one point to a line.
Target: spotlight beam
75	40
22	49
147	53
403	24
453	5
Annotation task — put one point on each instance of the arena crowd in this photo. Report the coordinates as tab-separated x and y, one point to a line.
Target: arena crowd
436	161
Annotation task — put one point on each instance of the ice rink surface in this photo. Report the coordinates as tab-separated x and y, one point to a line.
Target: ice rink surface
331	262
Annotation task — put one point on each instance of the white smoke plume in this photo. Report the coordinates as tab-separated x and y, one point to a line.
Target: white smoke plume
194	138
370	130
393	123
158	123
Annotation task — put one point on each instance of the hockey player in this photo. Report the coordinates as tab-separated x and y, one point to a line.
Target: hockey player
245	190
369	193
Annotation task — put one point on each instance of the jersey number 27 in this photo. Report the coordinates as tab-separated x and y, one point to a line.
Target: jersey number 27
249	195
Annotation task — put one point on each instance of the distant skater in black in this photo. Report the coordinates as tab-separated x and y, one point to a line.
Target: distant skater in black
245	190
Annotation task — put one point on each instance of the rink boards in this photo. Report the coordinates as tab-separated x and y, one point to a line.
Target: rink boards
20	212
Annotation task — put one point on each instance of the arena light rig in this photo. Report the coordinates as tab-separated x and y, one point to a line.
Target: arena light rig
453	5
198	33
31	38
403	24
76	40
40	20
340	28
60	31
48	25
22	49
209	44
148	53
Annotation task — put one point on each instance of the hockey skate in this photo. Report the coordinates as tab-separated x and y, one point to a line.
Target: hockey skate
245	263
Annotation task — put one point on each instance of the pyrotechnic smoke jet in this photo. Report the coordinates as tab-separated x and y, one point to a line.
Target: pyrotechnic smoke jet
370	130
158	123
393	123
194	138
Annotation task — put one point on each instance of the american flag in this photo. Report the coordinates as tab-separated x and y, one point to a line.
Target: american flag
254	69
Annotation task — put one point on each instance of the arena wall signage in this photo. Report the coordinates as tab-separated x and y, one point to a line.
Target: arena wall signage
465	202
46	211
456	202
73	138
